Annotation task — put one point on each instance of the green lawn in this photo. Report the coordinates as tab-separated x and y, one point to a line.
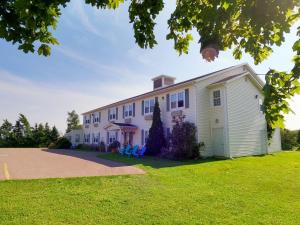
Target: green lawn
250	190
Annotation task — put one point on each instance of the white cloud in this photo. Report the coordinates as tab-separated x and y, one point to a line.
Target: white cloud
78	9
41	102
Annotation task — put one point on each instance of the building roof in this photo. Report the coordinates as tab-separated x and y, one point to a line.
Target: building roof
167	87
227	79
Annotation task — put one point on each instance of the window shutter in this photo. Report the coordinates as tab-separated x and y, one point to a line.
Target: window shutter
117	135
142	107
107	138
116	113
108	112
168	102
187	98
143	135
156	99
123	111
99	116
133	109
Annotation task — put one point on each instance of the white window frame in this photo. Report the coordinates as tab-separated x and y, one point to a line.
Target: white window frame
77	138
96	117
128	111
260	105
146	135
111	137
217	98
174	98
150	106
113	113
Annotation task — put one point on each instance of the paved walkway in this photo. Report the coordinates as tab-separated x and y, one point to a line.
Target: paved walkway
34	163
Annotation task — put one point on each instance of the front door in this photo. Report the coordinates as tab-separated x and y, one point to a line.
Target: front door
218	141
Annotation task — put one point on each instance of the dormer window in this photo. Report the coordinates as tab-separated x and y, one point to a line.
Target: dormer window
217	98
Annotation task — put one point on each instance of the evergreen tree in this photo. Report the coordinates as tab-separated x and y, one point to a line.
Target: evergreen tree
18	135
73	121
156	139
26	130
54	135
6	134
41	136
47	133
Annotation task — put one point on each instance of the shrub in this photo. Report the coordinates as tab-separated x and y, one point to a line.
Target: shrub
87	147
102	147
183	142
114	146
61	143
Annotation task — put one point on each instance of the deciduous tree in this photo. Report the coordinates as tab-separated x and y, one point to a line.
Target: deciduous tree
73	121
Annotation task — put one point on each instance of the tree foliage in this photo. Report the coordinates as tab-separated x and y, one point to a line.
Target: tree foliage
250	26
289	140
73	122
156	139
23	135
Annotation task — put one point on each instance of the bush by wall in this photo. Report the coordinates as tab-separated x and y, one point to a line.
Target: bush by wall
184	142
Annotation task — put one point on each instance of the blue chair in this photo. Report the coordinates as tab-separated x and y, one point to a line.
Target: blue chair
134	149
124	150
141	152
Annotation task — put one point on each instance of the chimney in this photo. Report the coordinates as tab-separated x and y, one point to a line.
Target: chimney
162	81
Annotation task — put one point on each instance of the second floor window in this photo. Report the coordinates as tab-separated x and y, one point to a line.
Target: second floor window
149	106
217	98
112	114
177	100
96	117
87	119
128	110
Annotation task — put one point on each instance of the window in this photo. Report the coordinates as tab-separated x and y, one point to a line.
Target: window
217	98
96	117
77	138
177	100
87	138
173	101
128	110
112	137
261	106
149	106
87	119
146	135
112	114
180	102
96	138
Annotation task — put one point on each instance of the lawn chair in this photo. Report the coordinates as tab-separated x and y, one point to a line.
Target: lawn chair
122	151
130	151
141	152
135	150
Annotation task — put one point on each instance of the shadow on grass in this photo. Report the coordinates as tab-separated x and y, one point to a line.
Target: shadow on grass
154	162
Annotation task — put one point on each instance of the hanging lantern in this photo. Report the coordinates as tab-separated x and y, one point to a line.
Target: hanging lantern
210	52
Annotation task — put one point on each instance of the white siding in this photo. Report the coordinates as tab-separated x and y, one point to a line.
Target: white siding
275	143
203	108
139	119
246	124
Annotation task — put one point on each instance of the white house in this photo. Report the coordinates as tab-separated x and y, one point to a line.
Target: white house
225	106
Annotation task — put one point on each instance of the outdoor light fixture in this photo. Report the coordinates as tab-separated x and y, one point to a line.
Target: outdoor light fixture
210	52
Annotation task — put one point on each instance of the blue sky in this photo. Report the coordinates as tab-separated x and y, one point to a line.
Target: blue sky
98	62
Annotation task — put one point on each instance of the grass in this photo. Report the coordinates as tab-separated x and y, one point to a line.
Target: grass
250	190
